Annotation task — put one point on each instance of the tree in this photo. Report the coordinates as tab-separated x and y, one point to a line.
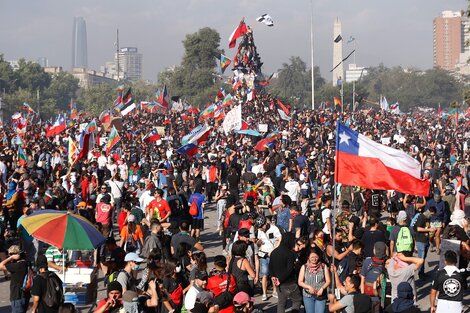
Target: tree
62	89
97	98
32	76
294	82
7	76
194	78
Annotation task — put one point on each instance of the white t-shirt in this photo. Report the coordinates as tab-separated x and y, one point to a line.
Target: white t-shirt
293	190
325	214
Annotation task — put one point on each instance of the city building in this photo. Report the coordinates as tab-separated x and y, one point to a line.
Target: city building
43	61
88	78
79	43
354	73
130	63
338	72
450	31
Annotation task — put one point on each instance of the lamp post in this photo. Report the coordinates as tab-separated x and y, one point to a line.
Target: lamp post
311	54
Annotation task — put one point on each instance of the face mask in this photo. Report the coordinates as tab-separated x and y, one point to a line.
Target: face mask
136	267
178	269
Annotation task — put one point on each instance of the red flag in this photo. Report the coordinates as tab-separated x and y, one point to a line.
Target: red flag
240	30
283	107
337	101
151	137
162	98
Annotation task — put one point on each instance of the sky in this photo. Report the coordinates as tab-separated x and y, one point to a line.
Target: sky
395	33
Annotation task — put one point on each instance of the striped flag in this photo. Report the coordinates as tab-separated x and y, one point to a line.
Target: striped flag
162	98
22	158
91	127
113	139
28	108
239	31
73	152
224	62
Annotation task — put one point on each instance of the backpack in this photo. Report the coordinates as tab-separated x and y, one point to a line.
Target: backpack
362	303
53	297
193	209
131	243
318	219
28	280
225	298
404	240
358	203
376	267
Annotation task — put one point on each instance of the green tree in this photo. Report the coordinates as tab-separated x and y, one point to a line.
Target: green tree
294	82
32	76
97	98
194	78
7	76
62	89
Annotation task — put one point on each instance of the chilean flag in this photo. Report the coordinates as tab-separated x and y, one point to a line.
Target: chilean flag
239	31
189	150
361	161
57	128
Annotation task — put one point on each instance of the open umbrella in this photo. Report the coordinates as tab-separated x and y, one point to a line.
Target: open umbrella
63	229
249	132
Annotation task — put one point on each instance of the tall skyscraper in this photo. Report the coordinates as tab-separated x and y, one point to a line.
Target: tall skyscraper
130	63
449	39
338	73
79	43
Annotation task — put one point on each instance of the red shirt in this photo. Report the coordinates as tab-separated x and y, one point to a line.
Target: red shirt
162	206
121	219
218	284
103	303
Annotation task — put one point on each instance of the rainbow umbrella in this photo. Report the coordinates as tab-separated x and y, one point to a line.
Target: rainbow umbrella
62	229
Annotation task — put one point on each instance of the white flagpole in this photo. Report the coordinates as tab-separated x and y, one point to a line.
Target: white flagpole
311	54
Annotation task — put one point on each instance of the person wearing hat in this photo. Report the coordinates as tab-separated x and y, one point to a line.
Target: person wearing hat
132	237
200	283
40	283
205	303
113	301
457	230
243	303
401	222
17	266
125	277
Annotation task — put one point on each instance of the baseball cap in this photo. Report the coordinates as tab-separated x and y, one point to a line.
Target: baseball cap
242	298
131	218
41	261
204	297
401	216
81	204
14	249
202	275
131	256
244	232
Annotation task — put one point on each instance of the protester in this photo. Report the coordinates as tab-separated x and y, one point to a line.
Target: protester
17	266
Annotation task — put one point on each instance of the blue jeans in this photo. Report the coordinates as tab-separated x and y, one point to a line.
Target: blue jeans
313	305
19	306
422	248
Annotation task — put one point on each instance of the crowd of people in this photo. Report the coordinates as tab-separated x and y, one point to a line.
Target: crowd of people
285	230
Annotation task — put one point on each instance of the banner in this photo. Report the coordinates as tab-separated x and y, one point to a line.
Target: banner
233	120
263	128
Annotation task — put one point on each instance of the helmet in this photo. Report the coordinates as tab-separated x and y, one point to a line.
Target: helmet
252	215
260	221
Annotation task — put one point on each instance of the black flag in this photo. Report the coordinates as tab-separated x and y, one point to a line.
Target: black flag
338	39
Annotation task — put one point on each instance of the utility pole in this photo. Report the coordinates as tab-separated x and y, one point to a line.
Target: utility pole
311	54
117	54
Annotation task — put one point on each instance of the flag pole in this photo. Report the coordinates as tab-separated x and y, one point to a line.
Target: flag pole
311	54
333	220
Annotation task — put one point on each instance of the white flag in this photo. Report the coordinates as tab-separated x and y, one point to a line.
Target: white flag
233	120
266	19
283	115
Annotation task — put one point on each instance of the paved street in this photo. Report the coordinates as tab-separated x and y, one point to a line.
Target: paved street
212	244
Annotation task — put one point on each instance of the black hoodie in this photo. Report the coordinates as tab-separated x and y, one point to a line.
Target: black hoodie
281	264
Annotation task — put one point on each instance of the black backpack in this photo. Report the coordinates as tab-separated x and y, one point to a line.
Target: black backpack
54	295
362	303
131	243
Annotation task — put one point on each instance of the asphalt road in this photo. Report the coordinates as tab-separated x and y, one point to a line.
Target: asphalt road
212	244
